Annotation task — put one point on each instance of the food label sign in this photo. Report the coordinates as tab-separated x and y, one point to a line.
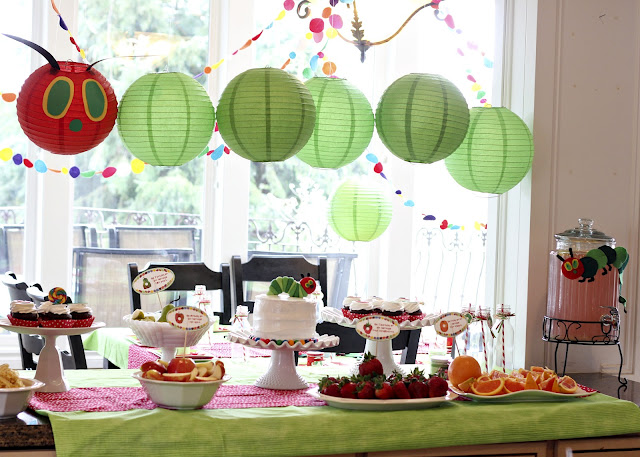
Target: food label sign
153	280
188	318
450	324
377	328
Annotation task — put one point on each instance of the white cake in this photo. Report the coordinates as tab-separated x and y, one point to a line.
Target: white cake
280	317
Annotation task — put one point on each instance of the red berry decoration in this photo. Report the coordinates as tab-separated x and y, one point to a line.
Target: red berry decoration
370	366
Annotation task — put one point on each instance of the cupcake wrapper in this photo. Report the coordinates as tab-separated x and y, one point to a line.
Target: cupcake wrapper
57	323
83	322
22	322
350	315
417	317
401	318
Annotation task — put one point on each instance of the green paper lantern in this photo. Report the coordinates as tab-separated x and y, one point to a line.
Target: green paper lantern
344	124
359	210
422	118
266	115
166	118
496	153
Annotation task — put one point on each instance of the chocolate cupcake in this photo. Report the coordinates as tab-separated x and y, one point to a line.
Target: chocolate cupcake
393	309
54	315
23	314
81	314
346	302
413	310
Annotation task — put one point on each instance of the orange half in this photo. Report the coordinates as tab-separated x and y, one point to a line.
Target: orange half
488	388
567	385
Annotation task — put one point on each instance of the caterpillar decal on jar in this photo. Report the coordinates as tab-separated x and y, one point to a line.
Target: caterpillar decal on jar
587	267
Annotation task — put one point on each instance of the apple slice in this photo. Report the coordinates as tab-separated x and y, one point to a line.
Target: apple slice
176	377
218	371
193	374
202	371
205	379
153	374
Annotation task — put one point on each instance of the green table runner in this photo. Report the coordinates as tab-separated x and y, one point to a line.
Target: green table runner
322	430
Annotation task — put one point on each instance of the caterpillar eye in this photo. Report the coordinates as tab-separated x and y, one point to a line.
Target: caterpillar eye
574	263
567	266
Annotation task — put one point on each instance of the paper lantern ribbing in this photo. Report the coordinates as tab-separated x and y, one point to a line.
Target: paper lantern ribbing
65	107
422	118
166	118
359	211
344	124
496	153
266	115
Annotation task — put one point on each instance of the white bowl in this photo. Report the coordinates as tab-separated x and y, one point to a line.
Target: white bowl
179	395
15	400
163	334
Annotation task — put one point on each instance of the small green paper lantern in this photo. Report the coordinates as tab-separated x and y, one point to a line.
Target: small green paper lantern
359	210
422	118
166	118
266	115
344	124
496	153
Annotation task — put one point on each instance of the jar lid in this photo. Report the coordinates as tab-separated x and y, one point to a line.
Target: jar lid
584	231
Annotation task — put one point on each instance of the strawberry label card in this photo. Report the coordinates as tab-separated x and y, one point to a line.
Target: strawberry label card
450	324
377	328
153	280
188	318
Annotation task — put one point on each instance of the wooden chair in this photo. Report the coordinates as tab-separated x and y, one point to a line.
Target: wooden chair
31	345
187	276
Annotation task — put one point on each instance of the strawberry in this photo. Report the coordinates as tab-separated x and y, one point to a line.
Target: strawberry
366	390
329	386
348	390
437	386
418	389
400	390
370	366
384	391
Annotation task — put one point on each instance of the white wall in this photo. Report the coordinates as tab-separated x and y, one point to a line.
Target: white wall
586	139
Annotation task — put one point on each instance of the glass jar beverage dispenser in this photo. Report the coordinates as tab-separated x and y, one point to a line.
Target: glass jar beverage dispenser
583	286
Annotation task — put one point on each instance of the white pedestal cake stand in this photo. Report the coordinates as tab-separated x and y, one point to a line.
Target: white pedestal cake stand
282	374
383	349
50	370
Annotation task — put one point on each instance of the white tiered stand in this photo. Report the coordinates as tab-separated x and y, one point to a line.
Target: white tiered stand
282	374
383	349
50	370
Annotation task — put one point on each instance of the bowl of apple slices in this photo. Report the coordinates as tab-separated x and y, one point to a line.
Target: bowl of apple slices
181	383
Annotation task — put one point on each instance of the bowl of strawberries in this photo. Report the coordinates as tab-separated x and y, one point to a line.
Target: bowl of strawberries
370	389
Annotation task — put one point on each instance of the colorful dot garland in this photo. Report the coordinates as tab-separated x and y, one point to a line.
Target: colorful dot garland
63	26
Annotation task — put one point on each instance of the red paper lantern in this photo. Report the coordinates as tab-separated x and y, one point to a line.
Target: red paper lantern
65	107
67	111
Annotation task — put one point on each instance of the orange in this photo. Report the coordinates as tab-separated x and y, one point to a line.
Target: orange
513	385
550	385
484	378
462	368
487	388
466	385
496	374
567	385
530	383
534	368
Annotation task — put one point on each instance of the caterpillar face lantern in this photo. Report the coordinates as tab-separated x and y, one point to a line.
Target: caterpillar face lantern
66	107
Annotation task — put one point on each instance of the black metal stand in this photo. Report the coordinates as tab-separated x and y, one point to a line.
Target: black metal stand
606	331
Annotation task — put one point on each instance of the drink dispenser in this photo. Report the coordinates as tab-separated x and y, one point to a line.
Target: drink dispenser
584	286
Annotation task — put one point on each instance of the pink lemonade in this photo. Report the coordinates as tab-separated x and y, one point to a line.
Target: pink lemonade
573	300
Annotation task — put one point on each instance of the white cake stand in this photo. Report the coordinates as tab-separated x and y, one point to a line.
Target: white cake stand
50	370
383	349
282	374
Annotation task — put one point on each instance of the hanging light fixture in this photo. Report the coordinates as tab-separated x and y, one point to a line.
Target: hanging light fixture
359	210
422	118
344	124
266	115
496	153
166	118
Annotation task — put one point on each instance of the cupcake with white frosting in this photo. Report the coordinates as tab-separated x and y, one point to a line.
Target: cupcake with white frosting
413	311
359	309
377	305
54	315
81	314
23	314
346	302
394	309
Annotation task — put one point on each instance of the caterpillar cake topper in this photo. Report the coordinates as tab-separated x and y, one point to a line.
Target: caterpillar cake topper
288	285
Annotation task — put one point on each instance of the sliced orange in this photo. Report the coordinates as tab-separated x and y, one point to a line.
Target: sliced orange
530	382
483	378
550	385
466	385
567	385
548	374
488	388
539	369
512	384
496	374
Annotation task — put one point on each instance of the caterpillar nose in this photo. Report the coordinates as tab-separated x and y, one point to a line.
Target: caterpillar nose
75	125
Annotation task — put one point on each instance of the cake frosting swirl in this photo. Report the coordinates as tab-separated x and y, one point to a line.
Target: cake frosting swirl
23	307
79	308
53	308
